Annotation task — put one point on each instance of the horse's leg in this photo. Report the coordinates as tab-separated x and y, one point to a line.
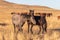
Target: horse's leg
15	35
28	22
42	28
14	27
45	28
28	27
15	32
31	28
20	26
39	29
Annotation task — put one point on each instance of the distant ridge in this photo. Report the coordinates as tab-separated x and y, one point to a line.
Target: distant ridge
13	5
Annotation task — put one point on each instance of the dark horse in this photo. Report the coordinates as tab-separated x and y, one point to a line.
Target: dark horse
33	21
41	22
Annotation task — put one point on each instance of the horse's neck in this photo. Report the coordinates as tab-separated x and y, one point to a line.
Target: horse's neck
32	16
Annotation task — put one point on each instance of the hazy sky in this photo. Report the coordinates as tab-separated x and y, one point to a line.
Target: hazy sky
50	3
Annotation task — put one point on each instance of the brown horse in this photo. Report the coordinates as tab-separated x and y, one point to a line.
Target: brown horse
43	21
18	21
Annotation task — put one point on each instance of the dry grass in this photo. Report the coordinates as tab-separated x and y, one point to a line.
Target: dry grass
7	32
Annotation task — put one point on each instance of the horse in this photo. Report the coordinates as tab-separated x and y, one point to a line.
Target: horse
34	22
43	22
18	21
31	21
37	18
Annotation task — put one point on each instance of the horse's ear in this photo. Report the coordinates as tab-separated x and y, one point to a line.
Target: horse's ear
31	10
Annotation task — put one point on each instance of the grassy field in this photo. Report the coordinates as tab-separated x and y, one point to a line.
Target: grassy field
8	34
7	31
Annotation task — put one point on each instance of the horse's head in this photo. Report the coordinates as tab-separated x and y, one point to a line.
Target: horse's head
31	12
